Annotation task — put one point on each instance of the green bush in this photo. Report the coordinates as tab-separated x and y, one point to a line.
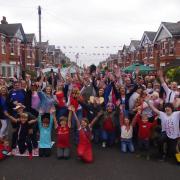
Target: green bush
174	74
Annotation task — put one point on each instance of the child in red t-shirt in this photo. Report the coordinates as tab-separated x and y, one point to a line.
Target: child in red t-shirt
4	149
144	132
84	148
63	136
108	126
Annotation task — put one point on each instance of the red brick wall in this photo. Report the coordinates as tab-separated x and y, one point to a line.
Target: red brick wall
7	57
177	48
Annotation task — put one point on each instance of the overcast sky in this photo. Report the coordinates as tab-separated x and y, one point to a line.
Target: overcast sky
91	23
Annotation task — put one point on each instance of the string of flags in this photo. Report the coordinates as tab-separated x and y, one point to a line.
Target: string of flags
88	54
83	47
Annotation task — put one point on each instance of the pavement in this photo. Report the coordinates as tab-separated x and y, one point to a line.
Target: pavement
109	164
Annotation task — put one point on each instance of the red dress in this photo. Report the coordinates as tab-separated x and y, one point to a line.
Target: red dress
84	148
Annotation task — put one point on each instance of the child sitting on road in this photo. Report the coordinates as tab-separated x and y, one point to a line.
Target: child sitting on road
23	139
126	133
108	126
144	132
84	148
63	136
45	123
5	149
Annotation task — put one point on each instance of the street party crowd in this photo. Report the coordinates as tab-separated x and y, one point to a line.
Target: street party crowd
139	112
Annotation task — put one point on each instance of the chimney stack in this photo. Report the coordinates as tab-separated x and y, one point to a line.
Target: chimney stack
3	21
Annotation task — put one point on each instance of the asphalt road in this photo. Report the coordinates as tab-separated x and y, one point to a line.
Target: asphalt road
109	164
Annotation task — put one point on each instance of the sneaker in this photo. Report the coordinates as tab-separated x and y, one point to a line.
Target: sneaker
36	152
104	144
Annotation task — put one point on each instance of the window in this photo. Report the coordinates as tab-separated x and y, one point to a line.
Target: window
147	53
151	51
163	48
28	51
171	47
18	48
12	49
9	71
3	45
3	71
31	52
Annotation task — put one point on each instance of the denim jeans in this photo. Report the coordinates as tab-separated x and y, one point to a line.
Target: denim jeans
108	137
3	128
127	144
96	134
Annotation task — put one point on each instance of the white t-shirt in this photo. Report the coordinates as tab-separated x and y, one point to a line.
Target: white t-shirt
170	94
126	134
170	124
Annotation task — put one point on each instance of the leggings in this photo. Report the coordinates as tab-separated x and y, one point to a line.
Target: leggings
44	152
3	130
24	144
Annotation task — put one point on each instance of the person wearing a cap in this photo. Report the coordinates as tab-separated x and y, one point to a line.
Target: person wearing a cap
20	109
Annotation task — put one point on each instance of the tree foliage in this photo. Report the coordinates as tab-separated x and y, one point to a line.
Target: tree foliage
174	74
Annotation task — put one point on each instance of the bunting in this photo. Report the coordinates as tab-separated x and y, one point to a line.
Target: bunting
84	47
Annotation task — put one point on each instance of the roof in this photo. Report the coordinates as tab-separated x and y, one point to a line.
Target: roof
10	29
113	55
135	43
30	37
120	51
51	48
44	45
173	28
151	35
125	47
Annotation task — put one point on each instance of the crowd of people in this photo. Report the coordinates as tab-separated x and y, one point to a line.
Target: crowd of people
140	112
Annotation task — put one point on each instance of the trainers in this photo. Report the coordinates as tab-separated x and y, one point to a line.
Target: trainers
104	144
36	152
